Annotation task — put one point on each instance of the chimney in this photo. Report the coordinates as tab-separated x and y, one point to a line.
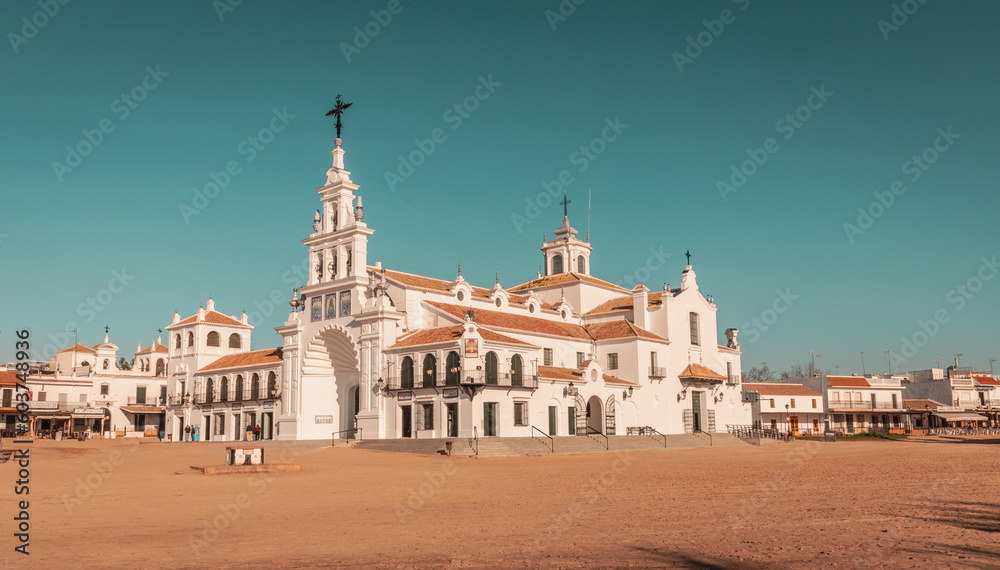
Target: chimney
640	306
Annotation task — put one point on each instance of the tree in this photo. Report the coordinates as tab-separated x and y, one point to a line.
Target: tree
124	364
762	374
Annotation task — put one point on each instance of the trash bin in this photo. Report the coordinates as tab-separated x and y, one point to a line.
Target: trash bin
58	435
830	436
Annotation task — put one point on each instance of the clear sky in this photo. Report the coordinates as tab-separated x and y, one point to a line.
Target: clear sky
829	105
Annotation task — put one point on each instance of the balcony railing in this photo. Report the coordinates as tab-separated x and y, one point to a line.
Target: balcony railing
732	380
505	380
657	372
850	405
246	395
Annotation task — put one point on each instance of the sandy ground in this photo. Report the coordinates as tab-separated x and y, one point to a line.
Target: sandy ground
931	502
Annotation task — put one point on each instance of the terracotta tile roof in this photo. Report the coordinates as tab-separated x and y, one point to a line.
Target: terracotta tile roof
564	278
920	404
609	379
452	334
653	299
776	389
78	348
245	360
853	381
212	318
433	284
8	377
699	372
986	380
153	348
619	329
557	373
515	322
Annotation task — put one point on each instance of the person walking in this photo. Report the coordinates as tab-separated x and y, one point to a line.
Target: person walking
249	432
256	432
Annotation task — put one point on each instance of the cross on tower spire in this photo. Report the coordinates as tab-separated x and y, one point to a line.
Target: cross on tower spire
565	204
688	254
337	111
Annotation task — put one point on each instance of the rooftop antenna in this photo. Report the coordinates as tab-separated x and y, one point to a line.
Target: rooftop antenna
863	371
957	356
590	192
992	360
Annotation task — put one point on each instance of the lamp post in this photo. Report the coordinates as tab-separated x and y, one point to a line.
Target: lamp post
788	429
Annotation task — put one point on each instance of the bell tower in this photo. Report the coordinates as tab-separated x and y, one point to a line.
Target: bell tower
566	253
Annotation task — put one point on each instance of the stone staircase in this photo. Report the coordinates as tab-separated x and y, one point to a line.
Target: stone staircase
514	446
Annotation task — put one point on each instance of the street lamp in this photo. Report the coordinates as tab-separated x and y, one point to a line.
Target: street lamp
787	424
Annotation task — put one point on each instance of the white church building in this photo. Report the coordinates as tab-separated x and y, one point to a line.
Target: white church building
398	355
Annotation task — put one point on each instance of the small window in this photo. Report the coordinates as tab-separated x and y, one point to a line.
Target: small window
520	413
531	308
190	339
793	402
613	361
498	302
579	359
547	357
581	265
460	296
814	402
106	364
104	389
177	340
83	397
772	402
557	264
694	329
235	341
41	396
213	339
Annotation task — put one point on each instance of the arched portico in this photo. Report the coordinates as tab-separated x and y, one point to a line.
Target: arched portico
330	379
595	414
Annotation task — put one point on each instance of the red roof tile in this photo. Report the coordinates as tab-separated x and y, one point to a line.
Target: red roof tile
153	348
564	278
986	380
212	318
500	320
557	373
920	404
8	377
78	348
854	381
625	303
452	334
776	389
699	372
245	360
619	329
609	379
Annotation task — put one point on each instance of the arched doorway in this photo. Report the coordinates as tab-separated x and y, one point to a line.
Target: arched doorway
595	414
330	377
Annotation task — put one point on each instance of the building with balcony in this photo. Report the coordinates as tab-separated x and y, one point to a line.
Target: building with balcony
788	408
400	355
860	403
965	394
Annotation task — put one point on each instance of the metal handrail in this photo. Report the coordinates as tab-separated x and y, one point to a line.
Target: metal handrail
474	440
350	431
697	431
552	442
591	430
647	430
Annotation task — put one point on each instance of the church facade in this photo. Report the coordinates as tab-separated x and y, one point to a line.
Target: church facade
398	355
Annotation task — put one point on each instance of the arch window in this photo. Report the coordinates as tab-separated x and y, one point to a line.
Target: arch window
209	391
190	339
213	339
406	373
581	265
272	385
491	367
557	264
106	363
693	318
224	390
430	371
161	367
255	387
235	341
516	371
453	371
177	341
239	389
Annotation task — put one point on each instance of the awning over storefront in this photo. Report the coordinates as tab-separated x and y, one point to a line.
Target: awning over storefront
143	409
960	417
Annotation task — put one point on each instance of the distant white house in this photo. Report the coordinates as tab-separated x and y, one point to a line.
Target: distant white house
787	407
861	403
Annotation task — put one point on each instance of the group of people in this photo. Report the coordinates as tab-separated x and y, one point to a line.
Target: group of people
253	432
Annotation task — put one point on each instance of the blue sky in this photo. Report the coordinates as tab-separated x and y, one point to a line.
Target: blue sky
864	98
